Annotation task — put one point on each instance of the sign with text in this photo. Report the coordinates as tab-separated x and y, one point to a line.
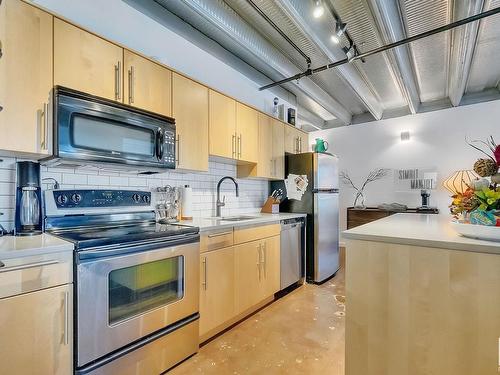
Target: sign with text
409	179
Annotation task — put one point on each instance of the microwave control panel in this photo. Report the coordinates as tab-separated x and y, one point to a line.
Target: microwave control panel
169	148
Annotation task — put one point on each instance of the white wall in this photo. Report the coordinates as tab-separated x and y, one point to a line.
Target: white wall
119	22
437	140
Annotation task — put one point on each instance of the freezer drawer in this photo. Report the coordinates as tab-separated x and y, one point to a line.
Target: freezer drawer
326	236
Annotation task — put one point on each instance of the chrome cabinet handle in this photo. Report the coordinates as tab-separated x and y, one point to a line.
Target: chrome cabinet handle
45	129
259	261
66	318
27	266
239	146
118	68
300	144
178	149
264	258
219	234
42	125
296	145
204	283
233	145
131	77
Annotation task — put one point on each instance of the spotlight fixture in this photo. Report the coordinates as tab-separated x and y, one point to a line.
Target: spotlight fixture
319	9
350	51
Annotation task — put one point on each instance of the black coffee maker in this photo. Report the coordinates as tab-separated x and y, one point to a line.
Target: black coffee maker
28	199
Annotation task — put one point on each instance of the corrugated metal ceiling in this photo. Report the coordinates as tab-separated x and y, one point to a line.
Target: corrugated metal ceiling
429	57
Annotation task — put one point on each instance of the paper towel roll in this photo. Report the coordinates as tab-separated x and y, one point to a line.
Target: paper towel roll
187	202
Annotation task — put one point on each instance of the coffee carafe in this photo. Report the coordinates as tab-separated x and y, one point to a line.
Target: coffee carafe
28	199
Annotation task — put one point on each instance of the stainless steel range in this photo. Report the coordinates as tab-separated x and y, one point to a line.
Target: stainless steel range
136	281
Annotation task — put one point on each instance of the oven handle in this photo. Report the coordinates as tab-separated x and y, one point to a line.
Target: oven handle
120	249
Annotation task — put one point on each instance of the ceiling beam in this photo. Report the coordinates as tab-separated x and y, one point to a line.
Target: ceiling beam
463	45
389	22
299	12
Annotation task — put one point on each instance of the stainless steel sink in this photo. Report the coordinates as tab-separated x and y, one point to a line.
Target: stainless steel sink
237	218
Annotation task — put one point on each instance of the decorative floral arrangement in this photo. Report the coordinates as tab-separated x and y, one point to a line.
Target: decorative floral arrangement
480	202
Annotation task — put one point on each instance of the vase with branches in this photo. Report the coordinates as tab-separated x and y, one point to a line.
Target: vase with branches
359	199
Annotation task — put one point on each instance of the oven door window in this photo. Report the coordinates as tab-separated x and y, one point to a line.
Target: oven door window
138	289
108	136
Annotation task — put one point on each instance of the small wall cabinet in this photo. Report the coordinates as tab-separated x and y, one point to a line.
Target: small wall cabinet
296	141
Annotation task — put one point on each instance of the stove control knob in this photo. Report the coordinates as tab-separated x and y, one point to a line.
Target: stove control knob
62	199
76	198
146	198
136	198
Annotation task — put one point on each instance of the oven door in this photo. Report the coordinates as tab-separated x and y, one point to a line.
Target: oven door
91	130
135	291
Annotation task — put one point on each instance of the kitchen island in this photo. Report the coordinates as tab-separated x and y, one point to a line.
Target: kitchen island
421	299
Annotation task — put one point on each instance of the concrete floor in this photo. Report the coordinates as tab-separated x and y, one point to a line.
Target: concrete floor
301	333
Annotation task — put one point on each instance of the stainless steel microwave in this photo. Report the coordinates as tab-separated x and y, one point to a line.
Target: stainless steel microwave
92	131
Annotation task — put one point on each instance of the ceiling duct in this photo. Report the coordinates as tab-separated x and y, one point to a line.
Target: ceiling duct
390	23
462	48
234	28
300	12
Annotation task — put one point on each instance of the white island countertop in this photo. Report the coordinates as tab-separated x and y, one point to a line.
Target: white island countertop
212	223
419	230
18	247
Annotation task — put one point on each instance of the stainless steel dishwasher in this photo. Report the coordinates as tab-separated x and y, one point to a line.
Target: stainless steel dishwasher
292	251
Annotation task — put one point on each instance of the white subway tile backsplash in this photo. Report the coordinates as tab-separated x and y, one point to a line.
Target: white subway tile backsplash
253	193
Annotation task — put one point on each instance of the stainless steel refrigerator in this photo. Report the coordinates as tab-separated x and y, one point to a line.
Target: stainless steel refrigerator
321	204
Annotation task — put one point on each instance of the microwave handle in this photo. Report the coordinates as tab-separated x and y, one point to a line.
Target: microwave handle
160	140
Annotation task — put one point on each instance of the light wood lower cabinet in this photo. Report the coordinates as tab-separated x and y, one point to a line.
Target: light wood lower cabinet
258	271
85	62
25	77
217	289
190	110
36	333
147	85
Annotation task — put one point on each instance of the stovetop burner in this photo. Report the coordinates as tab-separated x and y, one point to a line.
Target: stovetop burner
84	238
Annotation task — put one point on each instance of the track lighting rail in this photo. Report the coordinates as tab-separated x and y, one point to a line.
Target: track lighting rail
360	56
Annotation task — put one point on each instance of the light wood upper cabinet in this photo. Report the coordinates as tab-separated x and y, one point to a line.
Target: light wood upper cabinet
265	165
217	289
147	85
85	62
296	141
278	150
25	77
37	340
247	131
222	125
190	110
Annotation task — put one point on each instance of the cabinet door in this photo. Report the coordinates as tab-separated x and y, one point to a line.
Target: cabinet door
222	125
291	140
247	129
85	62
147	85
217	288
25	76
271	266
37	332
278	150
249	275
265	165
190	110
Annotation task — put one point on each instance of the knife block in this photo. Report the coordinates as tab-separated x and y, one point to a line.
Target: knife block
272	206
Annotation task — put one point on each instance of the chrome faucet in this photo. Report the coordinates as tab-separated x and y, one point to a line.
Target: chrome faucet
222	203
